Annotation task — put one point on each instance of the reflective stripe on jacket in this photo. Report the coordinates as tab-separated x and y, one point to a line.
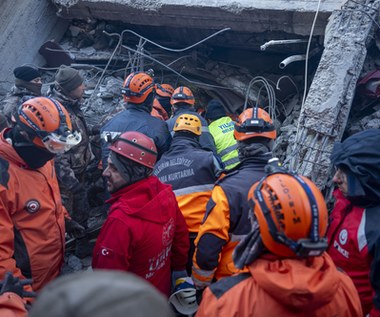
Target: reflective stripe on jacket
192	173
222	131
226	221
32	230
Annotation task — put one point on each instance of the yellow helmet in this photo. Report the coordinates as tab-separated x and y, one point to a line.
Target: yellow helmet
188	122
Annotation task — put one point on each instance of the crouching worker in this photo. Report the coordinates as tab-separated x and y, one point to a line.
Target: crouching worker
32	217
145	232
290	274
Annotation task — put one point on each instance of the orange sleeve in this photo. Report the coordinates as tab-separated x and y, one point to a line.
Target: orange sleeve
12	305
7	262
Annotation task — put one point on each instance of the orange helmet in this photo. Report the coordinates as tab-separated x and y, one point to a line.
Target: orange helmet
182	94
291	213
188	122
164	90
137	147
254	122
48	124
137	87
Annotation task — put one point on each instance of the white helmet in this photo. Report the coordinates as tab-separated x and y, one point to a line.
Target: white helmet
184	296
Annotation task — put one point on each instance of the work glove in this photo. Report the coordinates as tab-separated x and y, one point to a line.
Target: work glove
184	296
74	229
15	285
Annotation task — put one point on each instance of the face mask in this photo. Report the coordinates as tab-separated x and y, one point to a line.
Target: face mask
34	156
33	87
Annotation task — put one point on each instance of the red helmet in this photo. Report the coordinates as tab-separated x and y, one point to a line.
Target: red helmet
137	147
164	90
48	124
291	213
254	122
137	87
182	94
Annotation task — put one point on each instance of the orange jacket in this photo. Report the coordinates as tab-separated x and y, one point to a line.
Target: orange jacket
32	231
12	305
158	111
310	287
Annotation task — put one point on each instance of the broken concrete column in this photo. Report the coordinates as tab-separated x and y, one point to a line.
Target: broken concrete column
324	115
24	28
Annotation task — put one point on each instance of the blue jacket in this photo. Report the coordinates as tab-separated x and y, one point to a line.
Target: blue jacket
206	140
136	119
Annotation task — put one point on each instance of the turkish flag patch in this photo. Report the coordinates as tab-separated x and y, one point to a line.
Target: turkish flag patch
106	252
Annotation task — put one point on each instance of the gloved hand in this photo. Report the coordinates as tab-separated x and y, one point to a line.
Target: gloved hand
184	296
74	229
15	285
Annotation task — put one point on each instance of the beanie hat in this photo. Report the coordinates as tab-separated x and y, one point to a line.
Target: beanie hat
26	73
68	78
100	293
215	110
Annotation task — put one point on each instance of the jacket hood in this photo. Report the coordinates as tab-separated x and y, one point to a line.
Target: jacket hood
359	157
8	152
303	284
148	199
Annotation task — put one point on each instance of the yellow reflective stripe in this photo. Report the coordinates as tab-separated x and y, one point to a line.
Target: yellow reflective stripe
193	189
228	149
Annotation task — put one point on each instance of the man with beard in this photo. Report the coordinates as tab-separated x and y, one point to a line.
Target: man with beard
145	232
353	234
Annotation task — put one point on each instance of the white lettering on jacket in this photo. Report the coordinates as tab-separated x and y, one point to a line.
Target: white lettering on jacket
342	251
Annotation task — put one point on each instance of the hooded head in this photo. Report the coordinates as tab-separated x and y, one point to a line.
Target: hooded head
358	161
215	110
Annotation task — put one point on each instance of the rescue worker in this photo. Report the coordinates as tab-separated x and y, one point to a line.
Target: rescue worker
192	172
354	235
27	85
138	93
226	219
221	128
32	231
183	102
289	272
68	89
161	103
145	232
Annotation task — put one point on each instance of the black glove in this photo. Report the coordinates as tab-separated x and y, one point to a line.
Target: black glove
74	229
15	285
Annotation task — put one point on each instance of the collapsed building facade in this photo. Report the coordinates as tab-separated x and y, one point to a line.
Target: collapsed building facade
301	60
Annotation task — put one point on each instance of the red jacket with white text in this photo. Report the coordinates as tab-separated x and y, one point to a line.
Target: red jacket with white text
354	246
145	233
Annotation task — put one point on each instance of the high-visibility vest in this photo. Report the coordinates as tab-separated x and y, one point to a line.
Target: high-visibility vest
222	131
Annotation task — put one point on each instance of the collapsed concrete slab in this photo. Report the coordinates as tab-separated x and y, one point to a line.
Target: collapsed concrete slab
293	17
24	28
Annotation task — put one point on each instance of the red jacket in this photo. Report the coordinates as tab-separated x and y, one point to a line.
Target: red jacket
354	245
283	287
145	233
32	230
